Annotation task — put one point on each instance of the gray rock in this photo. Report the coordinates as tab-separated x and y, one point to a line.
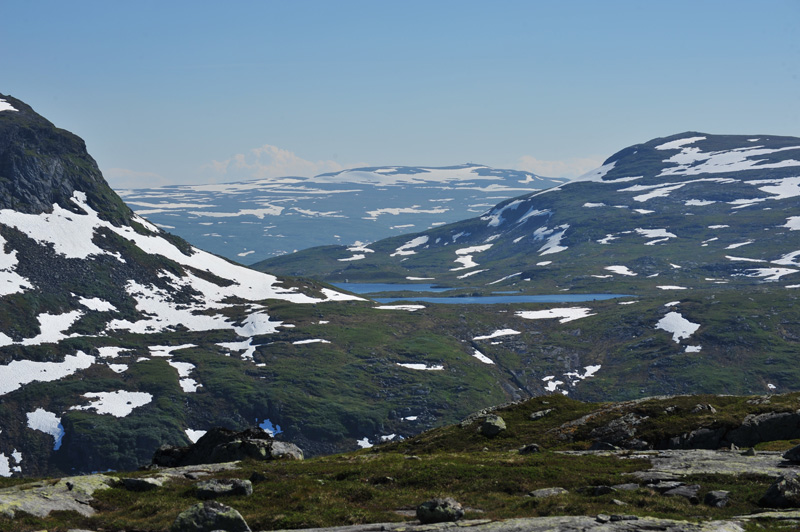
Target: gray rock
664	486
444	510
211	489
749	452
630	486
603	446
208	517
717	499
704	408
65	495
539	414
601	490
783	493
548	492
492	426
687	492
142	484
222	445
793	454
530	449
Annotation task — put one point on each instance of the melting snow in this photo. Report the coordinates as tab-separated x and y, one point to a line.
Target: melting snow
5	106
693	349
465	256
621	270
422	367
194	435
740	244
483	358
679	326
311	341
691	161
118	404
469	274
769	274
565	314
496	334
407	248
20	372
590	205
671	287
97	304
410	308
184	370
47	422
364	443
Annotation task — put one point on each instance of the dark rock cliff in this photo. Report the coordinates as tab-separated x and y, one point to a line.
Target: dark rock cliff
41	164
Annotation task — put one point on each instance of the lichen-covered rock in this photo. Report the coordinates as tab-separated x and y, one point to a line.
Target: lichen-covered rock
783	493
717	498
211	489
444	510
208	517
548	492
492	426
142	484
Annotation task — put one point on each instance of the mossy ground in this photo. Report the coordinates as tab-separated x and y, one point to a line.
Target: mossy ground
487	475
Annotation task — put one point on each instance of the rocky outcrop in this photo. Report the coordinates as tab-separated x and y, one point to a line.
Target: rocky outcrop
208	517
224	445
784	492
40	498
211	489
41	165
492	426
607	523
440	511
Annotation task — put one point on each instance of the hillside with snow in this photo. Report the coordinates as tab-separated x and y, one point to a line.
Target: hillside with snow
252	221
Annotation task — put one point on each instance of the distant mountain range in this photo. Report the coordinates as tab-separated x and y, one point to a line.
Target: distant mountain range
254	220
691	210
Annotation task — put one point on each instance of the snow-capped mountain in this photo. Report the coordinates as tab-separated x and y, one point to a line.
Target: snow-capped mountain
253	220
690	211
93	297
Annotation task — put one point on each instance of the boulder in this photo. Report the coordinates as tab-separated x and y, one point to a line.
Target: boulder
444	510
793	454
717	499
539	414
783	493
224	445
208	517
492	426
211	489
529	449
142	484
547	492
687	492
603	446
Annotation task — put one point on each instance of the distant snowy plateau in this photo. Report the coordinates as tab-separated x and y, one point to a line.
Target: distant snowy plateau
254	220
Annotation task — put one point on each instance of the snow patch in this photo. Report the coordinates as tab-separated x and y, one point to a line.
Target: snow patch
497	334
20	372
621	270
118	404
679	326
421	367
47	422
483	358
563	315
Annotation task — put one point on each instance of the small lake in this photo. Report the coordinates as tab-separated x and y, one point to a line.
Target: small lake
374	288
497	300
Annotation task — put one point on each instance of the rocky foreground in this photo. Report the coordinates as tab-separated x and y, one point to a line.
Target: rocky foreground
259	483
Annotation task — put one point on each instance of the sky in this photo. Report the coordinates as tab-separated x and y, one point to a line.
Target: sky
190	92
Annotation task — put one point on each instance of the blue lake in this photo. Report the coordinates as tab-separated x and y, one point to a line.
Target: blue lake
496	300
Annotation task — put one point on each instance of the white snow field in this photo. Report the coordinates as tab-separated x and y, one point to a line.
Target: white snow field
563	315
118	404
680	327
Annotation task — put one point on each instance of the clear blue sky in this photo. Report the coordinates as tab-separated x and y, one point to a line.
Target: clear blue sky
183	91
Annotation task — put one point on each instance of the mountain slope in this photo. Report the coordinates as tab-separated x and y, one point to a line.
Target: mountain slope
254	220
690	209
95	302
